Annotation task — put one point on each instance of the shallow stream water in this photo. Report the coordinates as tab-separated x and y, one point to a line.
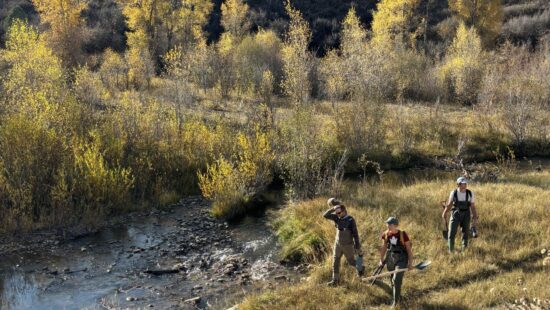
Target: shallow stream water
193	255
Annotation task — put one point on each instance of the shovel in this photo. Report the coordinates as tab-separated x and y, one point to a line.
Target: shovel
419	266
445	230
377	271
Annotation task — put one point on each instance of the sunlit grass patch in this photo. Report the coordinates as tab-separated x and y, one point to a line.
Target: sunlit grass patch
502	265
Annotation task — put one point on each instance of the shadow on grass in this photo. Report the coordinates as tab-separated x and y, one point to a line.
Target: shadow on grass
429	306
502	267
384	286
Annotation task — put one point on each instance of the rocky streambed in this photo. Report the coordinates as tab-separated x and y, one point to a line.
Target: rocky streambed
181	258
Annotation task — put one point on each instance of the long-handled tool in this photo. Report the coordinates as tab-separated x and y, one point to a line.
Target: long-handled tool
420	266
445	230
377	271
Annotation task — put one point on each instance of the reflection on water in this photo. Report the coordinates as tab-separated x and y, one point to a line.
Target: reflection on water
18	291
84	272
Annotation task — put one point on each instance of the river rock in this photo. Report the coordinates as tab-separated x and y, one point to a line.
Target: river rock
229	268
179	266
130	298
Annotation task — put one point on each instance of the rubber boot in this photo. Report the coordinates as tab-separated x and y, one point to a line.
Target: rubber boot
451	244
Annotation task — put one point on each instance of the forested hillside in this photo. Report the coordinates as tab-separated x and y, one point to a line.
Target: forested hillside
524	20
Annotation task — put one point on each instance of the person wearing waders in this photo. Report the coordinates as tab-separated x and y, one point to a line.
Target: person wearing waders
396	251
347	239
462	201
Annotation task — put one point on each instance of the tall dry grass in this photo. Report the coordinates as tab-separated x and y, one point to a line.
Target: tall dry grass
502	265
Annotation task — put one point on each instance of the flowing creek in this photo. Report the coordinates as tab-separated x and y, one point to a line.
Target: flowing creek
163	260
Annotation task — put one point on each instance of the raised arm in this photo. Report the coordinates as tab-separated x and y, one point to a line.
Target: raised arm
330	215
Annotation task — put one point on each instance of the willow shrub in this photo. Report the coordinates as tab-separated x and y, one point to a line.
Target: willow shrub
50	180
308	151
31	158
234	183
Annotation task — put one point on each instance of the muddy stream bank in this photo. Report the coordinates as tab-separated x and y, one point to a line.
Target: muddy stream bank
181	258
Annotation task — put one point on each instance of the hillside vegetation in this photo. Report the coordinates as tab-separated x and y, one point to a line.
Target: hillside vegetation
95	122
524	20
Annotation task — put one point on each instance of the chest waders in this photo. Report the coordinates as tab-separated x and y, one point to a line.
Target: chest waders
396	256
343	246
460	216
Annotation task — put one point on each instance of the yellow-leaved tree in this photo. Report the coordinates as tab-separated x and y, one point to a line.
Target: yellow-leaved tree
353	35
463	67
234	18
65	34
297	60
114	71
167	23
395	21
333	75
236	25
35	78
254	55
395	28
484	15
354	57
140	62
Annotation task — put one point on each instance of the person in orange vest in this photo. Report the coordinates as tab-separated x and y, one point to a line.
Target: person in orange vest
396	252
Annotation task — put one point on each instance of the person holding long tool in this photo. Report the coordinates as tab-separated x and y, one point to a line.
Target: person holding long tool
396	252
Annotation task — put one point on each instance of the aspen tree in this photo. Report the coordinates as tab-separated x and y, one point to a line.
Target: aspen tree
463	67
297	60
65	34
484	15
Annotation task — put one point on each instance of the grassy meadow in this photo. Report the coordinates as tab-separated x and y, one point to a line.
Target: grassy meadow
502	265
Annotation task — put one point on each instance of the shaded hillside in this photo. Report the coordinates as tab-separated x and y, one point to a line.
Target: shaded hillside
324	17
524	21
